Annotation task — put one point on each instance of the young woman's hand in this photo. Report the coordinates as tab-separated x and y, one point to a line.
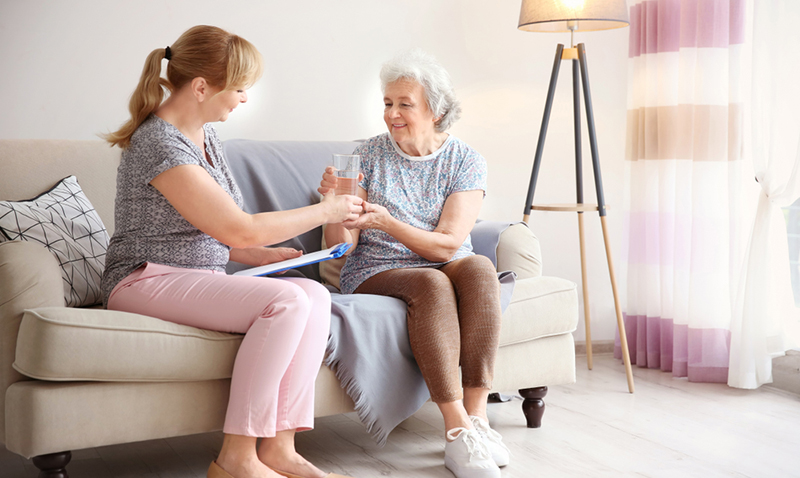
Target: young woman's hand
341	208
277	254
374	217
260	256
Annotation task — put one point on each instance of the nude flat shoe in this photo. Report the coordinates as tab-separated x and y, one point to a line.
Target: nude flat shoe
216	471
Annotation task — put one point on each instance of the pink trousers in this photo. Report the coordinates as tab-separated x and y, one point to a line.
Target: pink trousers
285	322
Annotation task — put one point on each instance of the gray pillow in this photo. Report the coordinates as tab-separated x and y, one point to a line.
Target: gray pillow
65	222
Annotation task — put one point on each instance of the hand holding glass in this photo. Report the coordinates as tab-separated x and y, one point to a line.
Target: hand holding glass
347	167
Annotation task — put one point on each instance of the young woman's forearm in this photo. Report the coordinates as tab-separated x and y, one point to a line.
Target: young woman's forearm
268	228
202	202
246	255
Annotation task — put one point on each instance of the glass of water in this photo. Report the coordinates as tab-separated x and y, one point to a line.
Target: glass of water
347	167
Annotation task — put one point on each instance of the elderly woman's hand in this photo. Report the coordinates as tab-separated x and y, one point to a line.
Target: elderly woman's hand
373	217
330	181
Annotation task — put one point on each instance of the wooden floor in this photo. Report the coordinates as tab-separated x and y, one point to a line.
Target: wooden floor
593	428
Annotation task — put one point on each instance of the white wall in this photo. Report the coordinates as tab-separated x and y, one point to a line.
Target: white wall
68	69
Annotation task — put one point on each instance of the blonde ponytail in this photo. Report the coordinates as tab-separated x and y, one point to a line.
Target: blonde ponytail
224	60
146	98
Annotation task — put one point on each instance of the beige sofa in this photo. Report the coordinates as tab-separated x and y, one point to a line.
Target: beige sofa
74	378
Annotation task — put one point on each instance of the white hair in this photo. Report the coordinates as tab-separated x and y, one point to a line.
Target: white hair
424	69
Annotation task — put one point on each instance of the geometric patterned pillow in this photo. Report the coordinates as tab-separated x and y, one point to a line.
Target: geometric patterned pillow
65	222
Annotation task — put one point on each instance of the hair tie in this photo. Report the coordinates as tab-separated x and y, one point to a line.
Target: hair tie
167	53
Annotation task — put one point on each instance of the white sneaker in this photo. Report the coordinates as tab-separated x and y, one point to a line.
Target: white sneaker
494	441
466	455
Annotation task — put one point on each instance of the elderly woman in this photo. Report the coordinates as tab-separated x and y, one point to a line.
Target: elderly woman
422	191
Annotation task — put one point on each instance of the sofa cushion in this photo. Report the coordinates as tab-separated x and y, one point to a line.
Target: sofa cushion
65	222
519	251
540	307
61	343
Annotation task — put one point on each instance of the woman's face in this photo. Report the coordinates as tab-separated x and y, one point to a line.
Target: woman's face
224	103
406	112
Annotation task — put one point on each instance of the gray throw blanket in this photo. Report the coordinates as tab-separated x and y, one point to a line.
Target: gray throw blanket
368	347
370	353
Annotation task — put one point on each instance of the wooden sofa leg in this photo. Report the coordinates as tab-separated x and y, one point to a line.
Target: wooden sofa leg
53	465
533	405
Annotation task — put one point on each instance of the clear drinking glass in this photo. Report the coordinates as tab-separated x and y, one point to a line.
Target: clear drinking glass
347	167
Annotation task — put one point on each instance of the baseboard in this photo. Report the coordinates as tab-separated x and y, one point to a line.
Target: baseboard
598	347
785	369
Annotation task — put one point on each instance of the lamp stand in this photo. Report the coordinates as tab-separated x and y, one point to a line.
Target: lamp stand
580	75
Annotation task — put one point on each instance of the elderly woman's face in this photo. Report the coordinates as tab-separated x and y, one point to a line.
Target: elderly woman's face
406	112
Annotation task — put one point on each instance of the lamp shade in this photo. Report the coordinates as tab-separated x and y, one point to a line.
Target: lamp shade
572	15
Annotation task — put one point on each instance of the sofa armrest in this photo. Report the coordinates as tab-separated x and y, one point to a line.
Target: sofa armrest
29	277
518	250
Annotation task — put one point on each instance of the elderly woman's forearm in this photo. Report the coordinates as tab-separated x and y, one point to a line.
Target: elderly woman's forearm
336	233
435	246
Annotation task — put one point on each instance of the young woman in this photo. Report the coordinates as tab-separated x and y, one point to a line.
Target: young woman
179	220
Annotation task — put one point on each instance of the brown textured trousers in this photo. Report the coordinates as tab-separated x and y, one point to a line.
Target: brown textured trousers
454	318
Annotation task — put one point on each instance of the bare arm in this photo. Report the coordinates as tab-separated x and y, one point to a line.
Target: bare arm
202	202
458	217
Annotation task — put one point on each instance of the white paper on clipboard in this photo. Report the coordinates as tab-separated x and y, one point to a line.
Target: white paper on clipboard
334	252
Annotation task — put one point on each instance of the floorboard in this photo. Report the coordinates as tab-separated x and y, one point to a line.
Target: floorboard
593	428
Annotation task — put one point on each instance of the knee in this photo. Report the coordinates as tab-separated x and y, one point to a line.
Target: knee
428	291
476	270
320	299
432	281
487	273
317	292
481	265
291	303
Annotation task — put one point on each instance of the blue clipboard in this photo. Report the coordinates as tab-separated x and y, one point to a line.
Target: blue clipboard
334	252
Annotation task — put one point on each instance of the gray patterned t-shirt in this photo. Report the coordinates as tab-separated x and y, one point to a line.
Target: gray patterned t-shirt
147	227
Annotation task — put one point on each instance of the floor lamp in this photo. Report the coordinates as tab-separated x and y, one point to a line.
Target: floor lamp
571	16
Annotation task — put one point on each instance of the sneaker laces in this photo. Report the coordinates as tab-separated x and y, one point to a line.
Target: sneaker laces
487	431
475	445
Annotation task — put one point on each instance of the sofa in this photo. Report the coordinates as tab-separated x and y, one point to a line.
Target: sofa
81	377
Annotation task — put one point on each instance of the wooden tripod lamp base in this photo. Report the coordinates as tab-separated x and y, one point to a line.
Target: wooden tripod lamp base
580	75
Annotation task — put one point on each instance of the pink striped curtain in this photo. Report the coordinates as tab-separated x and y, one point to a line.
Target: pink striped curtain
683	174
